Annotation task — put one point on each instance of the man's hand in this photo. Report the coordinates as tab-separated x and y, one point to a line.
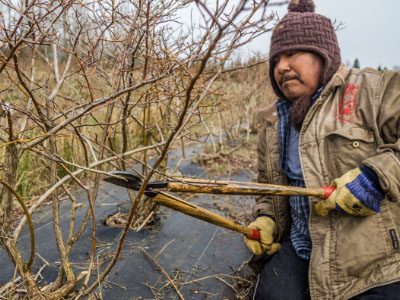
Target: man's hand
357	193
267	228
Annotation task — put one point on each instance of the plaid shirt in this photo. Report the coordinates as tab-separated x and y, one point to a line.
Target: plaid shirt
290	164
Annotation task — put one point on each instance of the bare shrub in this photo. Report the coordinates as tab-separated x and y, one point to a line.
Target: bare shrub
88	86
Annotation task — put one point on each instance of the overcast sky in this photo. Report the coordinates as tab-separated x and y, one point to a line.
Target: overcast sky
371	30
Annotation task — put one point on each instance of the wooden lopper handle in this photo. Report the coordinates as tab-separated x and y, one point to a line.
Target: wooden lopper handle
204	214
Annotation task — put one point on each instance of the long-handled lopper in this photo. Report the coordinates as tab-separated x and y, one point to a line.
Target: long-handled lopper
207	186
132	181
155	191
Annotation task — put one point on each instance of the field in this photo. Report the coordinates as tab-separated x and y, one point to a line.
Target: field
91	87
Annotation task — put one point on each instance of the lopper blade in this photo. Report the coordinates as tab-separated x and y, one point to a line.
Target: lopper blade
125	179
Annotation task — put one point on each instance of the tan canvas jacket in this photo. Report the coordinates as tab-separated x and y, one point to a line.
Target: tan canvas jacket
356	120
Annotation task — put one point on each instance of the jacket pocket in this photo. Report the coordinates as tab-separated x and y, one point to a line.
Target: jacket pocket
361	243
347	148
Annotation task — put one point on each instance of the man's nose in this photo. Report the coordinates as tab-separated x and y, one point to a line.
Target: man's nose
283	65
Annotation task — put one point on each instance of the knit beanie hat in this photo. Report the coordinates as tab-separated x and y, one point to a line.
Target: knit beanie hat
304	30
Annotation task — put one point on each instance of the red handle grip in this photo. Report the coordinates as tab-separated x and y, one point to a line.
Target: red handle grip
328	190
254	235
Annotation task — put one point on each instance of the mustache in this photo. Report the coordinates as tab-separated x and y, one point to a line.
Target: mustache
287	77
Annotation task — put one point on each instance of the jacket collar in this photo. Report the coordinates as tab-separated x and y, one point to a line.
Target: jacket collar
338	79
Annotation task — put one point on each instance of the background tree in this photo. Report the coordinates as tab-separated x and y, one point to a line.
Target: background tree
356	63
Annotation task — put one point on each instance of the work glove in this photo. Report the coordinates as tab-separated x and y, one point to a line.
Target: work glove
357	193
267	228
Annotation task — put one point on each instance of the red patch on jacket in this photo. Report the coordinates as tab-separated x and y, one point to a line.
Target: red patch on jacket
347	104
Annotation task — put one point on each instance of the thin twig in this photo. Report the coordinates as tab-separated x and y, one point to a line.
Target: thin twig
163	248
145	221
164	272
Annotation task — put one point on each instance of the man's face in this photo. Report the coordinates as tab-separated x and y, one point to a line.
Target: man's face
298	73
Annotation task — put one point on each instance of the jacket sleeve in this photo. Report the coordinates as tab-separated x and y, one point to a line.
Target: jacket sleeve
269	171
264	204
386	163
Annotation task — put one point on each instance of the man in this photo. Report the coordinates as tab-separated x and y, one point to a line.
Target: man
331	126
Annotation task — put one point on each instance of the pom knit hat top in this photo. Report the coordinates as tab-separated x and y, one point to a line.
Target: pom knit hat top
304	30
